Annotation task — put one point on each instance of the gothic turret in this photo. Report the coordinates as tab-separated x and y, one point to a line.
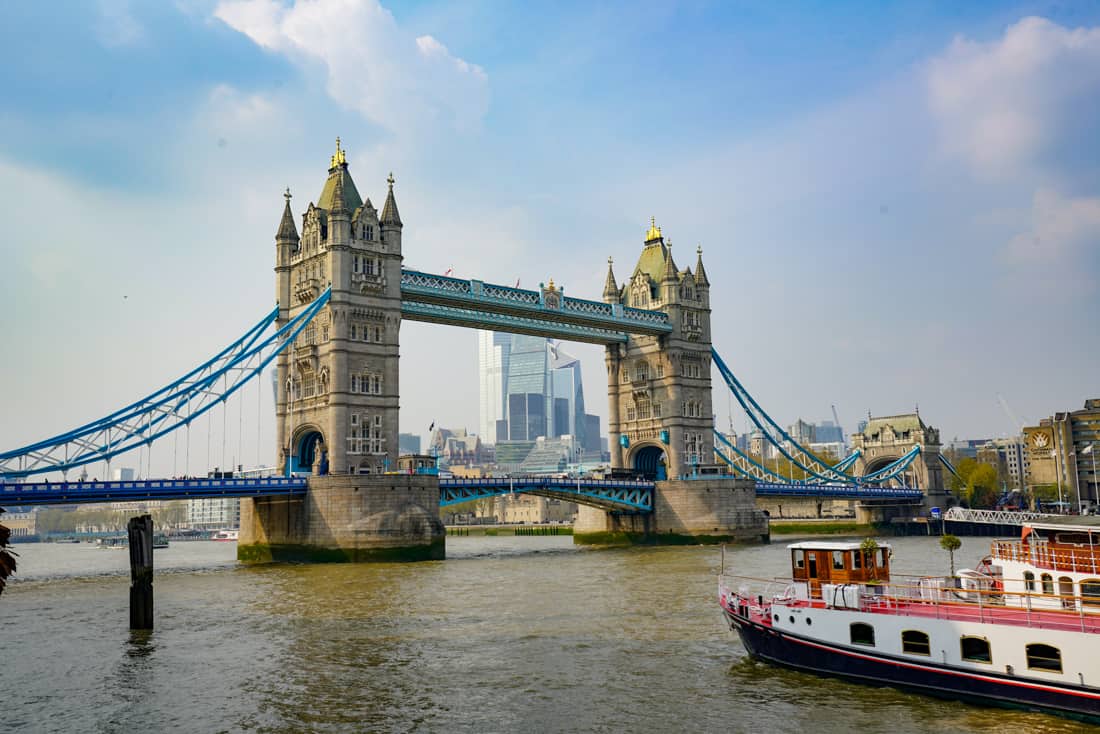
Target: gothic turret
286	243
287	233
700	273
391	220
610	289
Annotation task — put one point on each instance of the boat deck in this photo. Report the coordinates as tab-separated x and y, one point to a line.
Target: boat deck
1069	620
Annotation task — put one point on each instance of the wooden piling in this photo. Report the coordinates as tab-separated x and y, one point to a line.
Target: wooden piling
140	532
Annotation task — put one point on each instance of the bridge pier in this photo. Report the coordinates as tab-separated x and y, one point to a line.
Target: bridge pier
358	517
684	511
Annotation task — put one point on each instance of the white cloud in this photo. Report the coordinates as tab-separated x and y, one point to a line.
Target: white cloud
1063	229
1005	104
116	26
392	78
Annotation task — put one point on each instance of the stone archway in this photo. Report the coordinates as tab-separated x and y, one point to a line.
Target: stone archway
650	461
879	462
308	452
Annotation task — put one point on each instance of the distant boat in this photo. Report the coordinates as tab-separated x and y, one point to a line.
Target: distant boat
225	535
160	541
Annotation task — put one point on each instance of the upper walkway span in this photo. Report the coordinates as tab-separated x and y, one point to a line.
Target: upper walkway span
545	312
144	490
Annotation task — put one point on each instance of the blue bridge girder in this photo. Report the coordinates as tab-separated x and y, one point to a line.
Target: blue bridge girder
474	303
838	491
609	494
69	493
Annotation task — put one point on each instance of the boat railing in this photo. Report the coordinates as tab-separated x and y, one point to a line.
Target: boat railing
1085	559
942	597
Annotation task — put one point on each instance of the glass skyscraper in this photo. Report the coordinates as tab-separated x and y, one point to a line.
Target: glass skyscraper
531	387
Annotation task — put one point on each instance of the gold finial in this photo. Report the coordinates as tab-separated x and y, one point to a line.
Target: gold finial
337	157
550	286
654	232
390	180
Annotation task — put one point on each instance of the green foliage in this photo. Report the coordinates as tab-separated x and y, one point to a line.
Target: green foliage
977	484
950	543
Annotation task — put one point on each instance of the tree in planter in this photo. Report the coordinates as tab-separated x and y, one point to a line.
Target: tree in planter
950	543
868	548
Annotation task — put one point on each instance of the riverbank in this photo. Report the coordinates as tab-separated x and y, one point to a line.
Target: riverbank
491	531
821	527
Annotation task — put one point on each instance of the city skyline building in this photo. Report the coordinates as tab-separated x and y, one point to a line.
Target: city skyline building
531	387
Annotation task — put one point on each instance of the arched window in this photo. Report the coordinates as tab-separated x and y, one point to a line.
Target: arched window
862	634
1048	583
1044	657
915	642
1090	592
1029	581
975	649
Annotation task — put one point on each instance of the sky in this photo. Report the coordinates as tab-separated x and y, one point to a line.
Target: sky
898	203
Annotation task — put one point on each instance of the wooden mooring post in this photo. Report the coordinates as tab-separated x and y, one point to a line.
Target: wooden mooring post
140	531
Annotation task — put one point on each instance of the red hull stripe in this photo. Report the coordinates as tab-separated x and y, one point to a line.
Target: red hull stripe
961	674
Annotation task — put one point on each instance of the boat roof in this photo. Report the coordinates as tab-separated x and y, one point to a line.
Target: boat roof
830	545
1080	523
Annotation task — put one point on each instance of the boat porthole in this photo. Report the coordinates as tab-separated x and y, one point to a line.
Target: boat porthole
792	619
809	621
777	618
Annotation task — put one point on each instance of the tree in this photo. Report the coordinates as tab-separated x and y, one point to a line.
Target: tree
981	486
868	548
950	543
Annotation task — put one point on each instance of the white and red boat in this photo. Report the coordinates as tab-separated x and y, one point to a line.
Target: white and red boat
226	535
1022	630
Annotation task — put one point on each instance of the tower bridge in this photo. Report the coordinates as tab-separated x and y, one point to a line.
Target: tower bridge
342	294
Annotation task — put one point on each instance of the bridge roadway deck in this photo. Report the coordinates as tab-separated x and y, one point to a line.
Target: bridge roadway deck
70	493
621	494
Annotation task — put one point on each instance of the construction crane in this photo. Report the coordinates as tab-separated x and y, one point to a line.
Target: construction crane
843	438
1011	416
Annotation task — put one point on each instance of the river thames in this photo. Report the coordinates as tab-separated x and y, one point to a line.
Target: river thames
508	634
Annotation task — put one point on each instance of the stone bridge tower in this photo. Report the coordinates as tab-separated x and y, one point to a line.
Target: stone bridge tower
888	438
337	385
661	418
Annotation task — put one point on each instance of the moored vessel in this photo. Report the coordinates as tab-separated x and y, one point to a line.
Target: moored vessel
1021	630
226	535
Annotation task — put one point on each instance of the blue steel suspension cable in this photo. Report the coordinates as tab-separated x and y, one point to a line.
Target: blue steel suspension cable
140	406
755	412
134	438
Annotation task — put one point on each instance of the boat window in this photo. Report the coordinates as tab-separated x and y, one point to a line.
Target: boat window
862	634
1090	592
1029	581
800	559
1048	583
857	559
915	642
838	560
1044	657
975	649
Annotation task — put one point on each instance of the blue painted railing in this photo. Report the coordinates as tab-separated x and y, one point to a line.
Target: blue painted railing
65	493
612	494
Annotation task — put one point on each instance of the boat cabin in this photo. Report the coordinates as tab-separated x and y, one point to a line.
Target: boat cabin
818	562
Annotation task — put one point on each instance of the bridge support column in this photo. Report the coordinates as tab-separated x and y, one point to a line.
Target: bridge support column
873	512
389	517
684	511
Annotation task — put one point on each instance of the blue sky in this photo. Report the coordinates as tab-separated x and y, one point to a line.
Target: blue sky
899	203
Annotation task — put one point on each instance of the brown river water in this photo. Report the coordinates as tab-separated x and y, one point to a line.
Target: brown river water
524	634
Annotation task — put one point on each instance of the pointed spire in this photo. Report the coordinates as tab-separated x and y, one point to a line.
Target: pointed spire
610	288
287	231
389	209
700	274
670	266
339	204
